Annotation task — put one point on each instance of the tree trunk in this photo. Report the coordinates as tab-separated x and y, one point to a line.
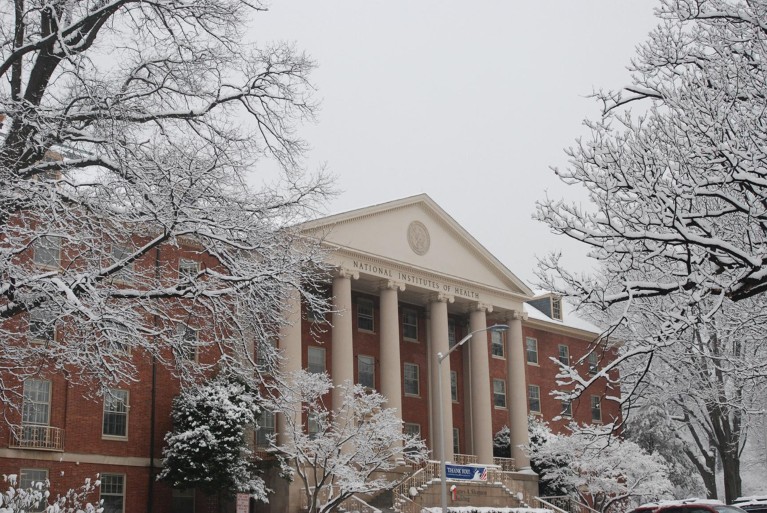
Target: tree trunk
732	481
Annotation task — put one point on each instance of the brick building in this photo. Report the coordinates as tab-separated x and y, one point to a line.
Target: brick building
409	283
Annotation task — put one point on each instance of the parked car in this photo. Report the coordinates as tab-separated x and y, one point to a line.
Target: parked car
688	506
754	504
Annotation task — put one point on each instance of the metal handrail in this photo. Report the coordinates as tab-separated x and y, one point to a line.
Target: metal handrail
42	438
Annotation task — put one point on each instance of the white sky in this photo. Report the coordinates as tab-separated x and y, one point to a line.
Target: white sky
468	102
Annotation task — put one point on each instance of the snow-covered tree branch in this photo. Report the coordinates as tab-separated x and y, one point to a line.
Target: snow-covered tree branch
337	453
128	212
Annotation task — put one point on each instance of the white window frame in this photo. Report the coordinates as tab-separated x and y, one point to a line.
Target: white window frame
497	341
531	351
113	344
42	316
499	391
317	351
563	358
451	332
26	482
567	408
406	312
556	308
456	441
50	247
592	361
188	269
412	428
417	380
363	315
36	405
105	477
364	360
183	331
113	397
266	427
312	424
531	397
596	406
454	386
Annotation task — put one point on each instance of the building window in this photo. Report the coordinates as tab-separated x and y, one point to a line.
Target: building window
42	326
564	354
115	337
496	343
596	408
115	413
411	379
47	251
315	358
556	308
412	429
183	500
113	493
265	429
188	269
410	324
365	315
312	424
499	393
567	408
534	398
593	360
454	386
451	332
266	350
366	371
187	349
119	255
36	408
531	346
33	478
30	477
456	441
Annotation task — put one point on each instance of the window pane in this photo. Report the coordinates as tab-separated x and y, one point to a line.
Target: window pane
412	429
532	350
564	354
593	360
112	492
411	379
183	501
451	331
365	314
410	324
499	393
42	325
316	360
567	408
188	269
596	408
366	371
456	441
47	251
496	343
115	413
36	406
187	348
454	386
265	428
534	398
119	255
556	308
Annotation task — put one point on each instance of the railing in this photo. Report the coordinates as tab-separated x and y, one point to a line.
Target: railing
512	485
506	464
351	504
567	503
43	438
405	505
429	471
465	459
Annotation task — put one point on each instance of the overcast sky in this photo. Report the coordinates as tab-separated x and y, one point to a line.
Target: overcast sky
471	102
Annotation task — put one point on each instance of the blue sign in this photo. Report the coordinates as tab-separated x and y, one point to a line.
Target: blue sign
466	472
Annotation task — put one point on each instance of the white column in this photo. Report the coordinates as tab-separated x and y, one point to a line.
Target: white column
438	330
290	349
391	365
342	359
516	391
482	417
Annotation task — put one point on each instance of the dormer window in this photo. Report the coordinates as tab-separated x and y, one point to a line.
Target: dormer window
556	308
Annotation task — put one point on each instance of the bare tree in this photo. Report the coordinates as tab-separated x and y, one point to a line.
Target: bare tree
130	130
341	452
678	196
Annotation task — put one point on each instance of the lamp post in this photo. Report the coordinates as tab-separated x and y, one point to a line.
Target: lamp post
440	358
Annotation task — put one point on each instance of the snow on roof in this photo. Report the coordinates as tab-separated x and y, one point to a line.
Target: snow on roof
751	500
569	319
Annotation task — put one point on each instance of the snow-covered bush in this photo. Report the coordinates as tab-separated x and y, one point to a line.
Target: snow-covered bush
36	497
207	449
598	468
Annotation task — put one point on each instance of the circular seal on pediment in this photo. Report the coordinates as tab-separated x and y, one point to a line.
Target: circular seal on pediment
418	238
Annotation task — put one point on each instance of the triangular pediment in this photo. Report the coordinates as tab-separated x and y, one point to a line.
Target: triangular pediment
415	233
